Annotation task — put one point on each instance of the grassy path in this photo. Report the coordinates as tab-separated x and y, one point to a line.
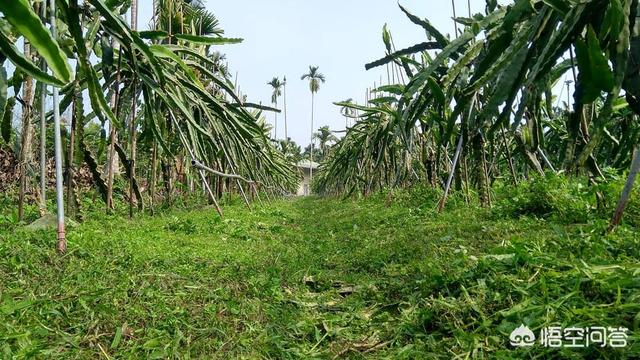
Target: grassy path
313	278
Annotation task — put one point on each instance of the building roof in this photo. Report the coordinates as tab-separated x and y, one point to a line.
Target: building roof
306	164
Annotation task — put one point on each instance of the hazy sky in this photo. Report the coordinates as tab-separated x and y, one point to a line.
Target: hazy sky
284	37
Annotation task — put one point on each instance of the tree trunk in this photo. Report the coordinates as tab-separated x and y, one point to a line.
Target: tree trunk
26	136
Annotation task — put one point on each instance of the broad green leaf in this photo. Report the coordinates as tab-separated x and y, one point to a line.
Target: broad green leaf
504	41
519	11
408	51
416	84
586	89
154	35
127	37
517	49
27	23
436	91
386	37
613	20
107	52
17	80
363	108
163	52
394	89
96	96
5	125
258	106
423	76
383	100
207	40
621	59
426	25
619	104
560	6
602	74
19	60
206	74
559	70
470	55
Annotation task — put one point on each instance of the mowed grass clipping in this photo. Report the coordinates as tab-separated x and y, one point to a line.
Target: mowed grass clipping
315	278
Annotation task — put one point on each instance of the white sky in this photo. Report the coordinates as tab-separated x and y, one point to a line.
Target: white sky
284	37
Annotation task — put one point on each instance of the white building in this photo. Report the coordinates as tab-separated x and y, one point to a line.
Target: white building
305	167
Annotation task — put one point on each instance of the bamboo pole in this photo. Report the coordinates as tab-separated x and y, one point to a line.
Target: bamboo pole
286	134
43	130
132	123
400	73
62	242
311	144
455	24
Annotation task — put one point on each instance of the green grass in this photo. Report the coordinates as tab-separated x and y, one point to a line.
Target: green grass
315	278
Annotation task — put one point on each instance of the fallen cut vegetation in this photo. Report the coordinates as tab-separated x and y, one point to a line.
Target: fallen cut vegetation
384	277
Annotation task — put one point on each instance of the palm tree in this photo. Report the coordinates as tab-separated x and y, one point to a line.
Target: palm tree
292	151
315	78
347	111
186	17
324	136
277	86
219	65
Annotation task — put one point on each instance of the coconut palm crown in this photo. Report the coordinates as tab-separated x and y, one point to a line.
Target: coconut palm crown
314	77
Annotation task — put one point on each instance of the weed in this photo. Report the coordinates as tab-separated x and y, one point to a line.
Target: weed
322	278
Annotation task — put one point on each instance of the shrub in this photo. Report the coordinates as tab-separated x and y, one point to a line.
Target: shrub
184	226
564	199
